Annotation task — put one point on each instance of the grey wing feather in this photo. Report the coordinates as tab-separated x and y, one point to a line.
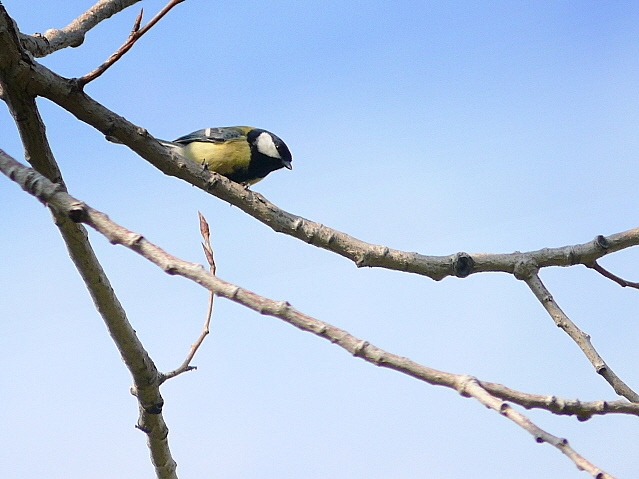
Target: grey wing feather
213	135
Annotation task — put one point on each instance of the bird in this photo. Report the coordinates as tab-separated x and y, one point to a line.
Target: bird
241	153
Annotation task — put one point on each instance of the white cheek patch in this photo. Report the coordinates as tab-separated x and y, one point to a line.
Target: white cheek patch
266	146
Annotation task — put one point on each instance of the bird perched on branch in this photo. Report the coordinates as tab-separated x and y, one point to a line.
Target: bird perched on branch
241	153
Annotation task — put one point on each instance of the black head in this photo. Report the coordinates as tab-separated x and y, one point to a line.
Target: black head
270	149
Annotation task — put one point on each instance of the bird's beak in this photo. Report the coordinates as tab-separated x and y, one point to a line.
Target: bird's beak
287	164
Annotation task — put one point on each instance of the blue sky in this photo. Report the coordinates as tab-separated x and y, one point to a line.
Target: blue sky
434	127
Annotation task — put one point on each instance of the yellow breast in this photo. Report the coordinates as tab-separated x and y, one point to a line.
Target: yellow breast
224	158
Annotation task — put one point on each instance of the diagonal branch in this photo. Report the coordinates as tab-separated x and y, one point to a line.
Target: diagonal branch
466	385
604	272
134	36
145	375
578	336
471	387
66	94
63	92
73	34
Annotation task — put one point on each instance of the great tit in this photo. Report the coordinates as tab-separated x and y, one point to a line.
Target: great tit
241	153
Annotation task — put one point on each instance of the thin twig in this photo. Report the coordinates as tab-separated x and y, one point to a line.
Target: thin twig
578	336
466	385
208	252
604	272
134	36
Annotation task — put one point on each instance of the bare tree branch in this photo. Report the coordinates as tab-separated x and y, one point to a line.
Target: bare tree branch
604	272
62	91
208	252
15	64
145	375
560	406
41	45
134	36
466	385
471	387
578	336
522	265
65	93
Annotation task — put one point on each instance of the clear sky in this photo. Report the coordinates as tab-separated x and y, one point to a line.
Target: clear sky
434	127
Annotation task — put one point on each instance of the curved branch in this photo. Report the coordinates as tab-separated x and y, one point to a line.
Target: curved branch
69	96
41	45
466	385
611	276
63	92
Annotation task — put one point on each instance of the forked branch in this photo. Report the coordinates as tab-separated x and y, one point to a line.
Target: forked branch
116	234
578	336
134	36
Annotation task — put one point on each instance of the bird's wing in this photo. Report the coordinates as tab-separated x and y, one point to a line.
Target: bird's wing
214	135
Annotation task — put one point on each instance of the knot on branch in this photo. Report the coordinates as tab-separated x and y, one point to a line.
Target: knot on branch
77	212
463	264
525	268
155	408
360	349
601	242
151	407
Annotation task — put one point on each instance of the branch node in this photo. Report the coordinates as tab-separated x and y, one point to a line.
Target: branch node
360	348
463	382
298	223
212	182
154	408
142	428
77	212
282	307
583	417
170	270
525	268
463	264
601	242
362	260
132	239
321	331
